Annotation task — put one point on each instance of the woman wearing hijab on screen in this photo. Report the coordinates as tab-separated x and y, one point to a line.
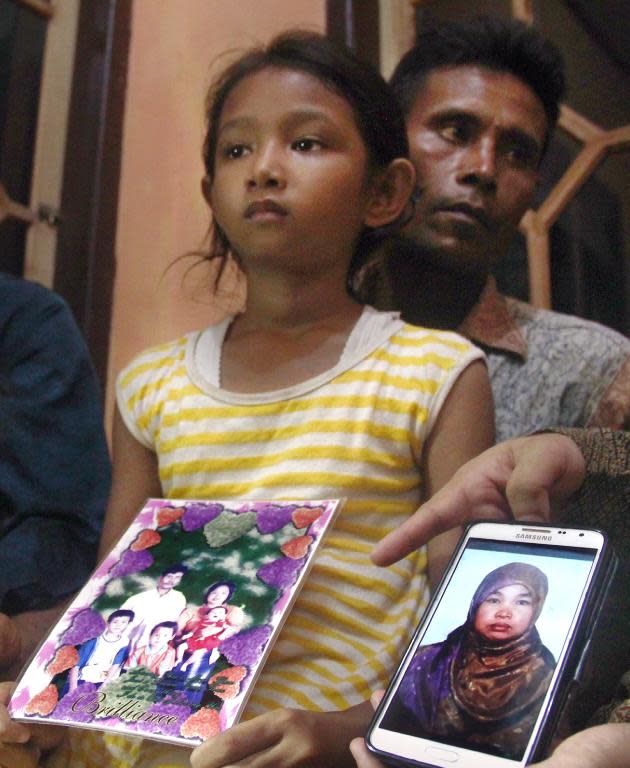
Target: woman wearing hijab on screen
483	686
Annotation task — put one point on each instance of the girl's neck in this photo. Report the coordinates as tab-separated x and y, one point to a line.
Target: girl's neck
285	337
291	305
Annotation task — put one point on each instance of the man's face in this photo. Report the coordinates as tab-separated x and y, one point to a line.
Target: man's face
475	137
170	580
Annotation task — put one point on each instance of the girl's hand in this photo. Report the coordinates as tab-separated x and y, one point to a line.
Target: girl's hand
287	738
23	744
10	642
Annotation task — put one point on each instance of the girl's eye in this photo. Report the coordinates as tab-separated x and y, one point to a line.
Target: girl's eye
234	151
306	145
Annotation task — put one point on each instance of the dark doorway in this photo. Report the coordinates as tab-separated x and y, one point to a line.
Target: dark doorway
22	40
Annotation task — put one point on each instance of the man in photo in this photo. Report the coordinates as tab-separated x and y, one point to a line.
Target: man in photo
154	606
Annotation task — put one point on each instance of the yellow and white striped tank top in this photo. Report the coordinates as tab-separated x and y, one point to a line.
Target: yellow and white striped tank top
356	431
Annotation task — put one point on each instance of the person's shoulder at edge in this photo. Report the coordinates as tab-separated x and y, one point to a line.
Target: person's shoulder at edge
27	299
576	330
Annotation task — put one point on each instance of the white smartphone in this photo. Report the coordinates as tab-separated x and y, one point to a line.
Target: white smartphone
496	651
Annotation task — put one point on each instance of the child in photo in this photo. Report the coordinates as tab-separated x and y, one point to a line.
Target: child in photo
159	655
205	639
101	658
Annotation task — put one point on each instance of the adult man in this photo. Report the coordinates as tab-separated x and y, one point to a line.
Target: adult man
156	605
54	462
481	100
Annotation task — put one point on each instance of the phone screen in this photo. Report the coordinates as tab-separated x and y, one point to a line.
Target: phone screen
479	670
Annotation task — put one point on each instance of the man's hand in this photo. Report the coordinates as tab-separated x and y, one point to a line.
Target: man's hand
526	478
287	738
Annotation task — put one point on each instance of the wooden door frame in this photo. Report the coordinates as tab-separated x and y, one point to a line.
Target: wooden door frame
355	23
85	259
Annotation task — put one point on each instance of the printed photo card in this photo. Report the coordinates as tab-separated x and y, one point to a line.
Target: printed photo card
167	638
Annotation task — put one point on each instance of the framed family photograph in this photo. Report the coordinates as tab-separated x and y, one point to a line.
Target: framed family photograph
166	639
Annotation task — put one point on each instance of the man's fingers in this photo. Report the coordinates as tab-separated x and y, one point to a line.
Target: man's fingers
375	698
548	469
413	533
521	478
474	492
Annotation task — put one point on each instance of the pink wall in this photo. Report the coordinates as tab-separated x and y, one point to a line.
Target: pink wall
161	211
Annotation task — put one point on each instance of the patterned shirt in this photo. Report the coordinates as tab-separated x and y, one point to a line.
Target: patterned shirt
355	431
548	369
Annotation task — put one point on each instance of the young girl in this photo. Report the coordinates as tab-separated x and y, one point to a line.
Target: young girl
204	639
305	394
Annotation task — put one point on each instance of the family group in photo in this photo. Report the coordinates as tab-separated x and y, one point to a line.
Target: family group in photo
156	630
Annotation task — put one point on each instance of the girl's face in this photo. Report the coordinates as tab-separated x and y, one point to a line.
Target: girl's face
506	613
218	596
290	185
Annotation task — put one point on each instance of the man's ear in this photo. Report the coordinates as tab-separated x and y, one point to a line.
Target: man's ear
391	191
206	189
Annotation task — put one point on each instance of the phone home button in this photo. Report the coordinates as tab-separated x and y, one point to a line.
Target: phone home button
443	755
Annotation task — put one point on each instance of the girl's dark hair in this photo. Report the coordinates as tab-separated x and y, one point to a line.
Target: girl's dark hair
485	41
377	115
229	584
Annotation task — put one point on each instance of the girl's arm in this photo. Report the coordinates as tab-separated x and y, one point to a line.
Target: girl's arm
464	428
135	479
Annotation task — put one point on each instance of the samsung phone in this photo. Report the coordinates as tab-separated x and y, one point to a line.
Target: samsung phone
497	650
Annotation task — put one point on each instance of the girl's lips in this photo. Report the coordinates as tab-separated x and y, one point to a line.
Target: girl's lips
500	627
264	209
